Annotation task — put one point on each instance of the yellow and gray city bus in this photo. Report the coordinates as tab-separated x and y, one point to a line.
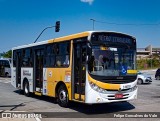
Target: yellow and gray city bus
89	67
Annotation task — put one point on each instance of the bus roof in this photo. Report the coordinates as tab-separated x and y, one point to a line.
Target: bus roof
73	36
64	38
70	37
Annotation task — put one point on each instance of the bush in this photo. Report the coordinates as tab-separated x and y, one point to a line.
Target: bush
148	63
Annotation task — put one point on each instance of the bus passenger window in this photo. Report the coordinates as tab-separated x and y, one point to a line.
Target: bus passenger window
62	54
66	62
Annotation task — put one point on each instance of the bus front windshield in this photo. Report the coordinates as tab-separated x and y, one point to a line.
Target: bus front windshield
112	61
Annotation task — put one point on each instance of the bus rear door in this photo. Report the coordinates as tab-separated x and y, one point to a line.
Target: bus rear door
38	70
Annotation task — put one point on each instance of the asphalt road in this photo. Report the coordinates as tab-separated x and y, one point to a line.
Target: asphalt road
148	101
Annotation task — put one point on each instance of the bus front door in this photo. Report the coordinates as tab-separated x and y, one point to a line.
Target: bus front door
38	70
79	65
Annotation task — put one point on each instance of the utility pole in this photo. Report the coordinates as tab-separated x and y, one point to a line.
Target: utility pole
93	22
151	61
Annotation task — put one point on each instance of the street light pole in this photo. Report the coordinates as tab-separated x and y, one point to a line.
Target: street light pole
151	62
93	22
42	32
57	28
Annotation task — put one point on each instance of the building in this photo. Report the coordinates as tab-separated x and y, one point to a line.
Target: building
147	52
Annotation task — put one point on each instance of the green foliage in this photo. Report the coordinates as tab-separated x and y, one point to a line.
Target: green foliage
148	63
7	54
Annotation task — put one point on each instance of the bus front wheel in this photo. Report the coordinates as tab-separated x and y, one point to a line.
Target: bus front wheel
63	96
26	88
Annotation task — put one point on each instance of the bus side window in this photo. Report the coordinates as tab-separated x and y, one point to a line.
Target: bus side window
62	54
30	59
47	57
67	50
26	58
51	50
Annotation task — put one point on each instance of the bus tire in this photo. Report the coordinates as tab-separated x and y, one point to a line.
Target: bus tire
63	96
26	88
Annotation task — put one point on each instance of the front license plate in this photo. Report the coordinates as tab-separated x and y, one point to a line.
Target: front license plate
118	95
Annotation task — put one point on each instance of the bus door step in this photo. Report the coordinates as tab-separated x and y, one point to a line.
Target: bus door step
38	89
38	93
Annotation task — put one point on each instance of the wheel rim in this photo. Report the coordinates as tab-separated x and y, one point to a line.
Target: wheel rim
62	96
26	88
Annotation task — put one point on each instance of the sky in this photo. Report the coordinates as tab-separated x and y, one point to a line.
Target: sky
21	21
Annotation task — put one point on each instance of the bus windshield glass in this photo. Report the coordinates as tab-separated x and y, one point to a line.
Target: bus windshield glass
113	58
112	61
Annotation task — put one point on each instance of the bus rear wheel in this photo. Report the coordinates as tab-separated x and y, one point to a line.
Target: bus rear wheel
63	96
26	88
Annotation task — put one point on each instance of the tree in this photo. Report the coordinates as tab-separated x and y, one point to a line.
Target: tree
8	54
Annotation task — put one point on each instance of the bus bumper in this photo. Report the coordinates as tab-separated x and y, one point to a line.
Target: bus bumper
93	97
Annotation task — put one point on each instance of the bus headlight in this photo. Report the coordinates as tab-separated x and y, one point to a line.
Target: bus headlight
96	88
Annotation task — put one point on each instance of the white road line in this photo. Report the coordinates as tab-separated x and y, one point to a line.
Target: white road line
5	81
37	119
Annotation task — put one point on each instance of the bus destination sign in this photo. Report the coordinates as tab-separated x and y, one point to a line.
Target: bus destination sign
112	38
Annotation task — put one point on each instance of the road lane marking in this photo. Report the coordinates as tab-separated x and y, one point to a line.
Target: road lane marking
5	81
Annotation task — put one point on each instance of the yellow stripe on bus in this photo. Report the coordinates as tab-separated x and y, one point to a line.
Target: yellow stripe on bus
70	37
131	71
38	93
104	85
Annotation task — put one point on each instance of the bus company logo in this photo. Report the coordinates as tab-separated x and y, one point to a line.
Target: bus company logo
26	73
50	74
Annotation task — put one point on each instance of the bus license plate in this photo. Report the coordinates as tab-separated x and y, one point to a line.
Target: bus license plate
118	95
